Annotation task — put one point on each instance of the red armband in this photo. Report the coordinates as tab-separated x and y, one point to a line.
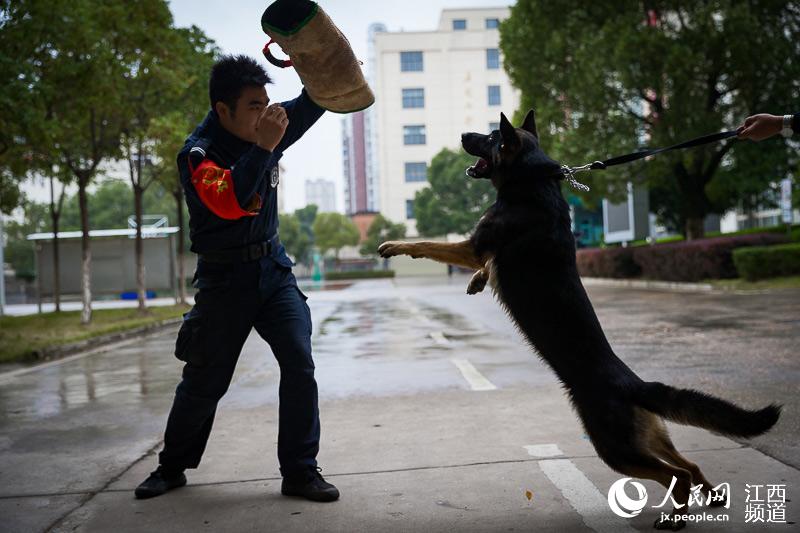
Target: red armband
214	186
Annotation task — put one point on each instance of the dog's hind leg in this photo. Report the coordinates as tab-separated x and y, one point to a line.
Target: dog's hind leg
646	466
665	449
635	453
453	253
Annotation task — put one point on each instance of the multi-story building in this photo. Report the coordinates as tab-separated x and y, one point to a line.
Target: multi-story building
322	193
431	86
354	156
359	139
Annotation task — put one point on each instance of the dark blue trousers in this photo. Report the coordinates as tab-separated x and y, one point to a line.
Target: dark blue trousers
231	300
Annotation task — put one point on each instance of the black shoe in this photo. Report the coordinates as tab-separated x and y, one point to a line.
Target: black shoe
159	482
311	486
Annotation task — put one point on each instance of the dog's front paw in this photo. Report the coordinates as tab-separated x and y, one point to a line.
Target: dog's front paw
392	248
478	282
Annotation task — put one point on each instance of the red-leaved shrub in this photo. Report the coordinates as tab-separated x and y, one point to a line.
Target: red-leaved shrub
697	260
679	261
607	263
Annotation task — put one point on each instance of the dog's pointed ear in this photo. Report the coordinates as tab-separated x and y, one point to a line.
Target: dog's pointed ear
529	124
507	131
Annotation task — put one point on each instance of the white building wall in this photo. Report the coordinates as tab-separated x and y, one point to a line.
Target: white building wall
455	79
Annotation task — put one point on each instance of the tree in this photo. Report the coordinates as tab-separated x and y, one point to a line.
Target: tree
74	75
56	208
294	238
62	56
333	231
151	84
169	131
26	143
381	230
166	77
89	73
606	76
306	216
453	202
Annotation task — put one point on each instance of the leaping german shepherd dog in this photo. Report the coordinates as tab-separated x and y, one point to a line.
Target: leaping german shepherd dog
524	248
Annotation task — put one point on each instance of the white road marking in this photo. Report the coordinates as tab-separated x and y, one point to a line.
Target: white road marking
414	310
543	450
476	380
583	496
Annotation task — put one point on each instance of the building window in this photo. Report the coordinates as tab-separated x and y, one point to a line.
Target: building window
459	24
411	61
414	134
494	126
409	209
492	58
413	98
494	95
492	24
416	172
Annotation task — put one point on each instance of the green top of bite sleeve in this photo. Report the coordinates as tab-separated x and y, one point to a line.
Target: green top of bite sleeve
287	17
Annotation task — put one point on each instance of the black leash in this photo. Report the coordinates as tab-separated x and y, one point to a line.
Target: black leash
569	172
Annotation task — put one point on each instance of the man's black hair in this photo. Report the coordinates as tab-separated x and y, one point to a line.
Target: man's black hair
230	75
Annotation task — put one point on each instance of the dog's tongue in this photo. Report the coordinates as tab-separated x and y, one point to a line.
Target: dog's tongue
481	164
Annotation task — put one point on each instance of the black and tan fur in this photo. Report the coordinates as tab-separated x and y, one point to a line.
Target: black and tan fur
524	248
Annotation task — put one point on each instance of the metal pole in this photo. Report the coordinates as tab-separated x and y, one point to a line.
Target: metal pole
2	269
38	250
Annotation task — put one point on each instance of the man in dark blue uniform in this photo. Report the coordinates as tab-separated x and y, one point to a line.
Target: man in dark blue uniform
229	171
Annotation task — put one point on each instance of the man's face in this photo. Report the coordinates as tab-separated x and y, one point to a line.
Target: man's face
242	121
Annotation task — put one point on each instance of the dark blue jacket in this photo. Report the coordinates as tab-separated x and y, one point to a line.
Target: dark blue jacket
230	184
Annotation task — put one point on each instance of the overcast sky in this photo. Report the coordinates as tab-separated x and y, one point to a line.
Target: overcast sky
235	25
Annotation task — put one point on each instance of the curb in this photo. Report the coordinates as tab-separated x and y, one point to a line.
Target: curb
647	284
57	352
75	350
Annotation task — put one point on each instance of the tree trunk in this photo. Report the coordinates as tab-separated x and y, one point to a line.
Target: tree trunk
54	216
178	194
56	267
140	280
86	253
695	228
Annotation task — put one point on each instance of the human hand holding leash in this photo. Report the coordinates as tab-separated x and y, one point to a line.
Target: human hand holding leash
271	127
763	126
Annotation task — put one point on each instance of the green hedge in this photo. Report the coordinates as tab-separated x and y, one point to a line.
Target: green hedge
794	234
359	274
759	262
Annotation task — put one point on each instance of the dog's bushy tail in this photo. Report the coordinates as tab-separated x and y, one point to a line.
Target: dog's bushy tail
694	408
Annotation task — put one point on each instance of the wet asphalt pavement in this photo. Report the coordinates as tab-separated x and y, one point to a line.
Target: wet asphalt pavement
429	398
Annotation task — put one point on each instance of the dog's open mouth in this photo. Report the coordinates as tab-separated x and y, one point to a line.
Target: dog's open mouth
480	169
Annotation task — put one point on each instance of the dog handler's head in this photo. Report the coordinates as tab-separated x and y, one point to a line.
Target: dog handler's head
237	93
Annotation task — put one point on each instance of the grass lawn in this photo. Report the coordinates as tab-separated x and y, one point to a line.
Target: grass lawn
21	337
790	282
